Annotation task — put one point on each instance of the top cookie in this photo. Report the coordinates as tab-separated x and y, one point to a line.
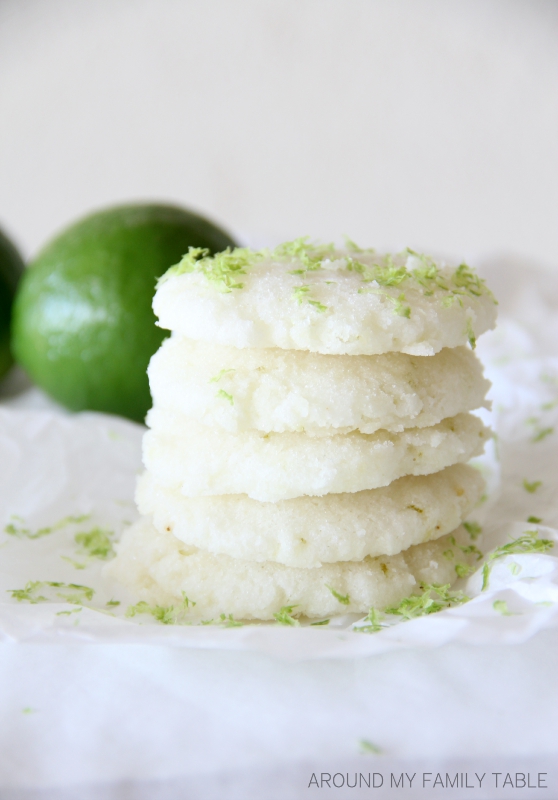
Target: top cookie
302	296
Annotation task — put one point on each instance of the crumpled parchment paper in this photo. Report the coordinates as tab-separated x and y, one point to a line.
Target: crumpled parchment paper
64	475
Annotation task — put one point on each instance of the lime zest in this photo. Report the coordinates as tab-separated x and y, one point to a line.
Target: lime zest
401	309
399	306
225	620
321	622
96	543
224	270
284	616
534	520
531	486
29	593
370	748
225	396
166	615
373	623
473	529
471	334
344	599
301	294
502	608
353	247
68	613
317	305
434	598
220	374
542	434
75	564
17	526
310	254
471	549
228	621
528	542
383	273
73	593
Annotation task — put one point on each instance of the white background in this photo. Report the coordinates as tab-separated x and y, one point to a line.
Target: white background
428	123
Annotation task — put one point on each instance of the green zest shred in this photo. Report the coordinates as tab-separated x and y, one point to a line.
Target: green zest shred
471	335
369	747
373	624
309	254
96	543
529	542
75	564
473	529
73	593
166	615
18	529
300	294
68	613
344	599
225	396
434	598
384	273
502	608
473	550
228	621
542	434
217	378
531	486
222	270
284	617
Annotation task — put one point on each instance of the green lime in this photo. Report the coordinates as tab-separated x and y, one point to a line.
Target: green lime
11	268
82	324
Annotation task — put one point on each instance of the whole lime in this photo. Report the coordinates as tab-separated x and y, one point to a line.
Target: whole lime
82	325
11	268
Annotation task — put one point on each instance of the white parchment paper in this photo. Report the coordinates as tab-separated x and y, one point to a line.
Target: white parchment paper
76	473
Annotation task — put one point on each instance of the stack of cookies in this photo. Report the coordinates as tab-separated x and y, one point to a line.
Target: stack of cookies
309	432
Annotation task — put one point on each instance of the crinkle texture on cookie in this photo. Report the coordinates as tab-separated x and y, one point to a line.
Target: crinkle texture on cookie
161	570
292	390
316	298
199	460
308	531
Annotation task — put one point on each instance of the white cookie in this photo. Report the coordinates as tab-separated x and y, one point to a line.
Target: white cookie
199	460
326	301
308	531
292	390
161	570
